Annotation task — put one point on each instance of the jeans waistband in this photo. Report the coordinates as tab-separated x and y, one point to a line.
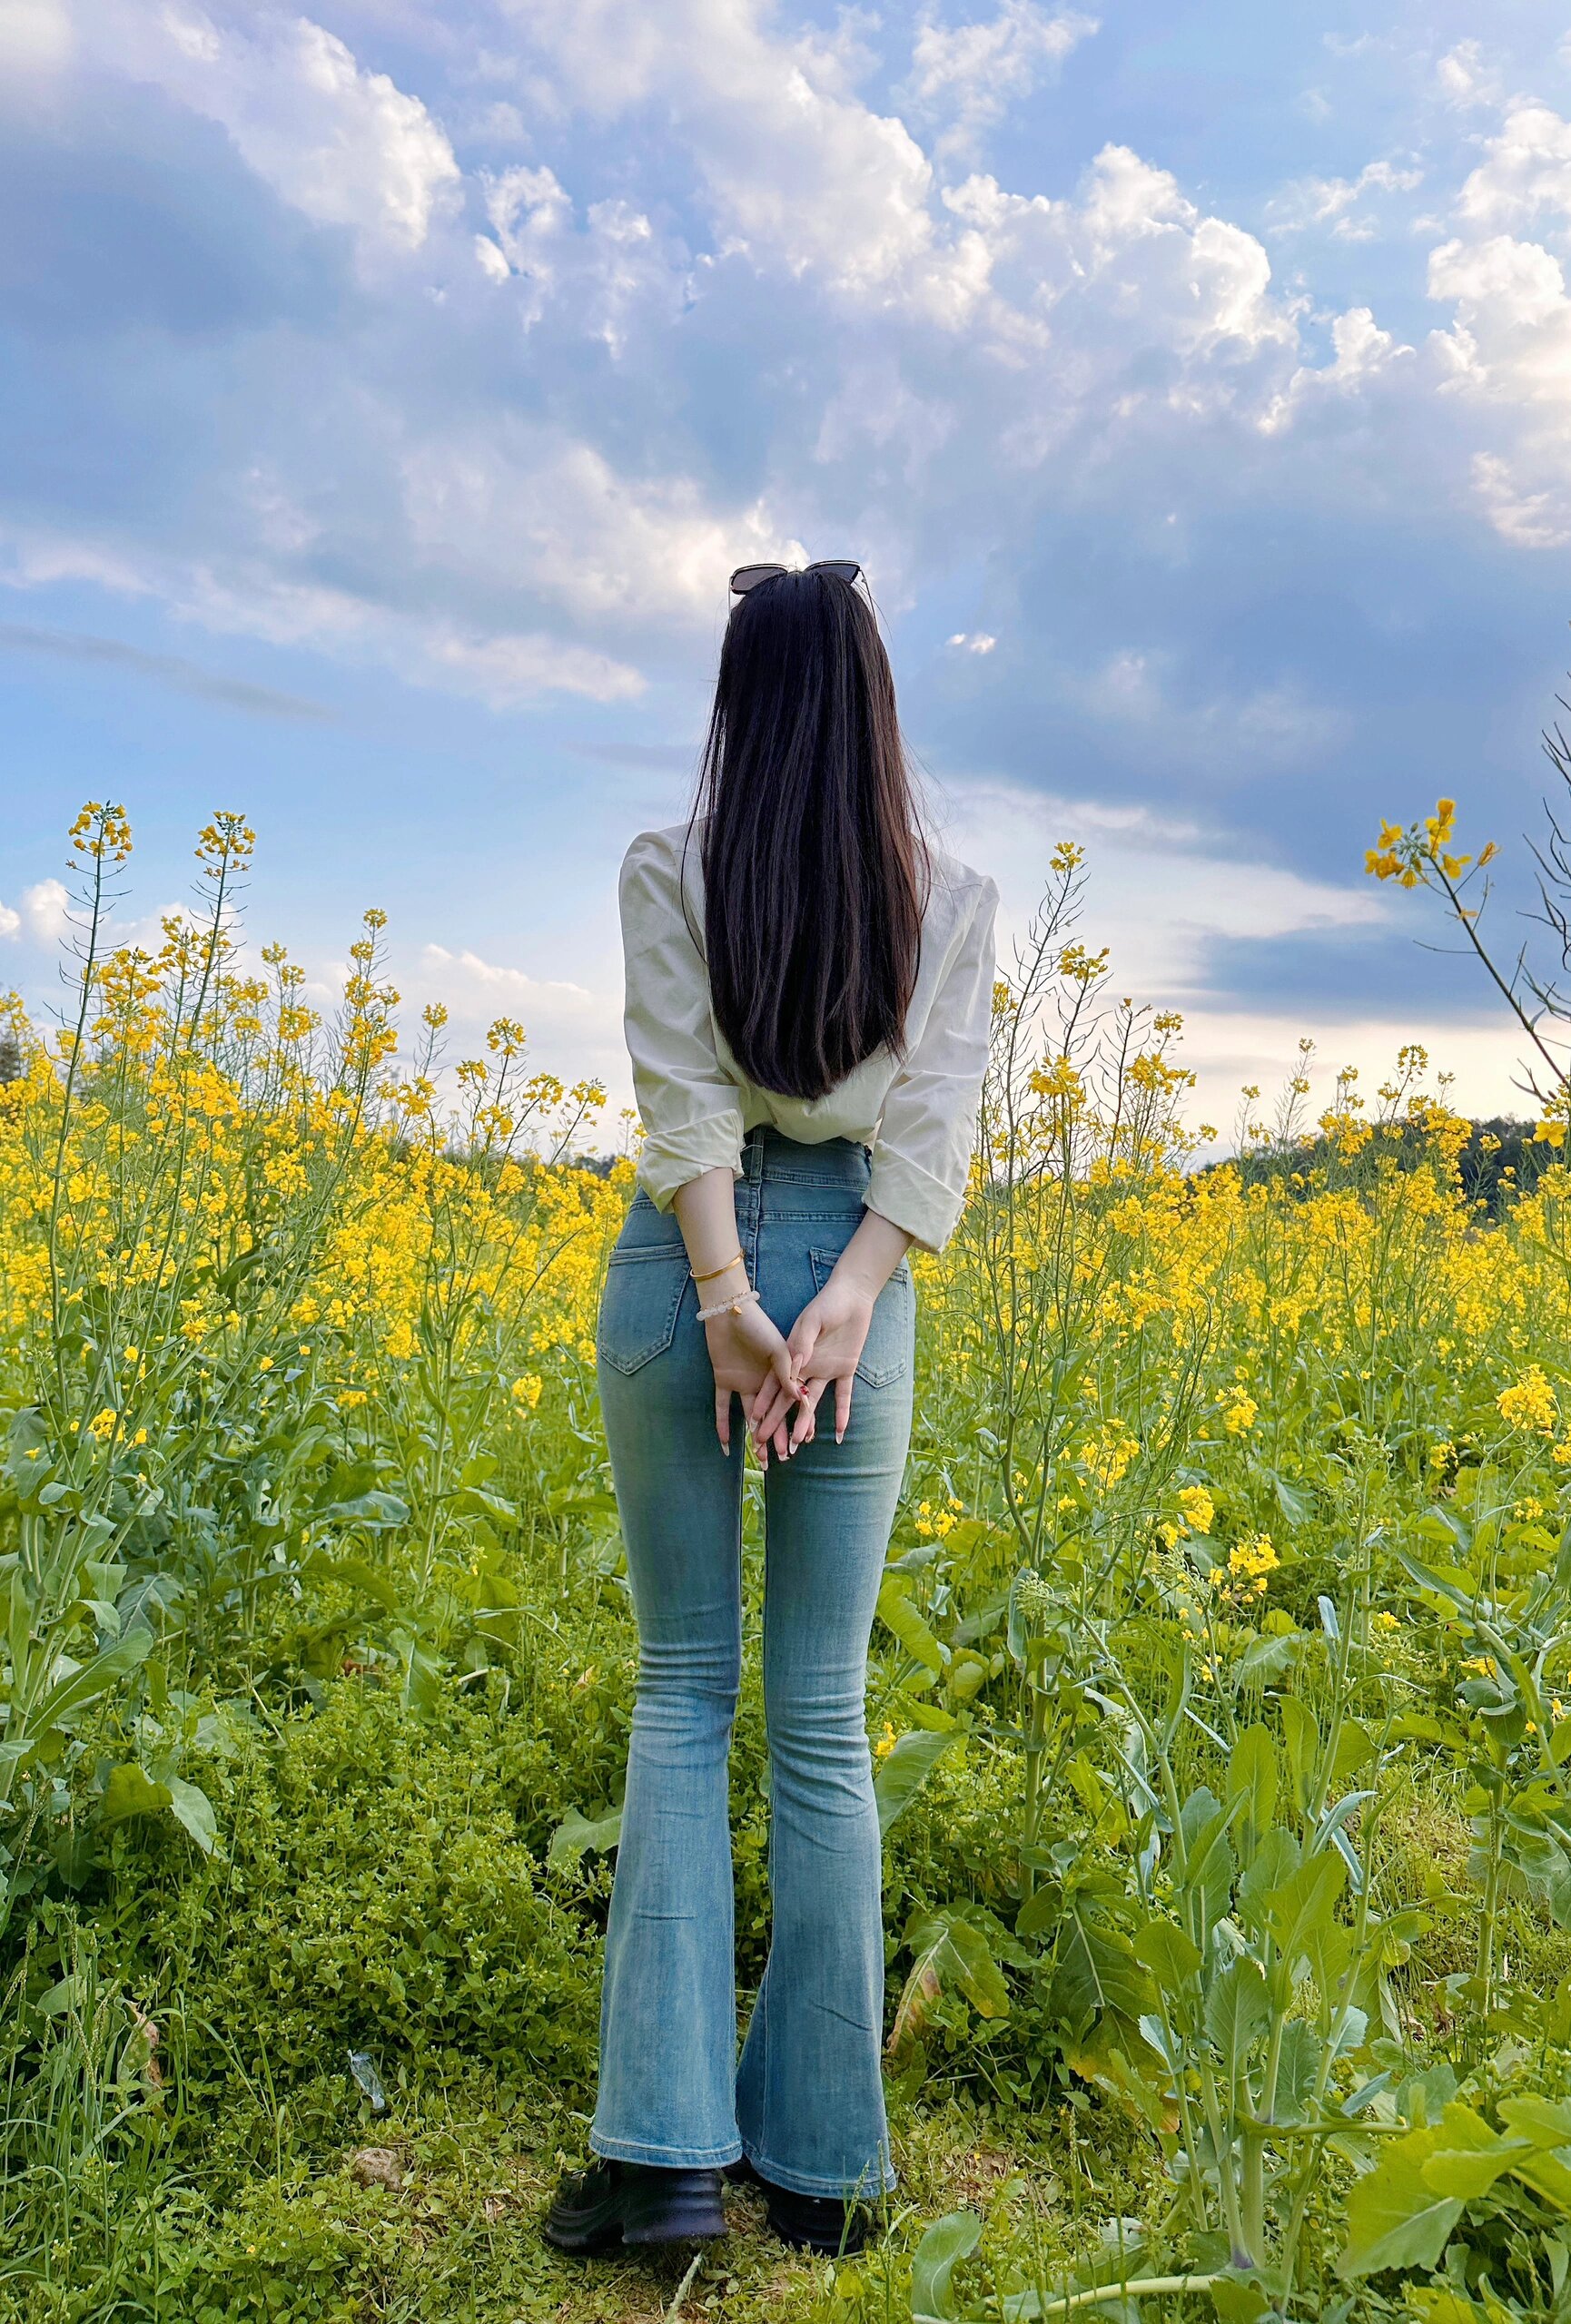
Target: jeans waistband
768	1153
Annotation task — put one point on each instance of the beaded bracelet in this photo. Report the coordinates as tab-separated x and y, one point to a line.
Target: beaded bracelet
726	1306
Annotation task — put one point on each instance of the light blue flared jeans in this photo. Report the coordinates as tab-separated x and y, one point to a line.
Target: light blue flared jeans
807	2102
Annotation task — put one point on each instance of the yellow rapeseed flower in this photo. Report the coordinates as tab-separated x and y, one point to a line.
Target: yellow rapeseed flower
1529	1403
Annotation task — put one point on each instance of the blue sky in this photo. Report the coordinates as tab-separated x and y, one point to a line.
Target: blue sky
389	390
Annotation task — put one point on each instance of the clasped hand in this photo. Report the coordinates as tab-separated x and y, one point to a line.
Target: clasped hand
777	1373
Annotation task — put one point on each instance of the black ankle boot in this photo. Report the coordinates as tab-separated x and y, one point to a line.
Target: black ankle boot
820	2223
612	2203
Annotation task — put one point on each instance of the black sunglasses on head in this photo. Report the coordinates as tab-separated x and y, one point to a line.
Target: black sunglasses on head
747	577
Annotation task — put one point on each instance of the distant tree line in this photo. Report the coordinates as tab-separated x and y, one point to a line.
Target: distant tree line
1499	1161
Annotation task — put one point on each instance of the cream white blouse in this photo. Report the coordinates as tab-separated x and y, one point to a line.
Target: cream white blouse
918	1114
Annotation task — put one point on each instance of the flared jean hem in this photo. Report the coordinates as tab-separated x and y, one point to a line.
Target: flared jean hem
665	2158
799	2182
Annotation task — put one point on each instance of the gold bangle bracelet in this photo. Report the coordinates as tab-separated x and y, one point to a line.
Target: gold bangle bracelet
709	1274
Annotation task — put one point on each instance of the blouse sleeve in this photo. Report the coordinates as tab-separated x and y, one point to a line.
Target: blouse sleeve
921	1156
691	1112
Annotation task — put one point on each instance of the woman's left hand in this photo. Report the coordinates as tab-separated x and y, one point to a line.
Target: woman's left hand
750	1359
826	1345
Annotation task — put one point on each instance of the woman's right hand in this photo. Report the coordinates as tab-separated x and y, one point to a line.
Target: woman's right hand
746	1351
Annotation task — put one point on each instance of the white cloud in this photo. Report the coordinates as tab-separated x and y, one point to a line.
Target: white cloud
797	173
610	266
1465	78
573	1031
247	595
1361	350
344	146
977	641
966	76
1161	894
507	670
1332	202
10	923
1157	898
1509	352
522	503
1141	692
1526	172
45	910
36	36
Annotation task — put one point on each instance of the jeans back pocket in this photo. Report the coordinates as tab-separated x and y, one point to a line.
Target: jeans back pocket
887	1348
639	1306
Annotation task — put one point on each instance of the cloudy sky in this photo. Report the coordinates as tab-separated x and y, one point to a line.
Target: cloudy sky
390	388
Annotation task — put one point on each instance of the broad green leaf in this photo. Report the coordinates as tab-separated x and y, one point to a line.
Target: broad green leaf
379	1583
1393	2219
1238	2299
1302	1908
1542	2121
1162	1948
372	1510
905	1770
1207	1873
130	1791
946	2243
190	1806
87	1684
1266	1656
470	1501
948	1950
1302	1738
1296	1502
576	1837
1549	2174
1298	2071
1238	2012
1275	1858
1252	1771
900	1617
1095	1972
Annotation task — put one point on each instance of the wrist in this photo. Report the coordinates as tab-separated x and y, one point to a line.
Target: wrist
859	1281
728	1304
721	1280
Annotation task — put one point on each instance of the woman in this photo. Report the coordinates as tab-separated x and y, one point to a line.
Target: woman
808	992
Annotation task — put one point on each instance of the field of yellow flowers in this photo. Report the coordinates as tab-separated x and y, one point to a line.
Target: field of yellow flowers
1220	1701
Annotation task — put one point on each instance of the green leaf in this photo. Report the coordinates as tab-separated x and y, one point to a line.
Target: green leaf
1162	1948
1237	2012
1296	1502
576	1837
1267	1656
1252	1770
948	1950
1303	1908
1238	2299
1393	2219
191	1807
130	1791
898	1615
1207	1873
374	1510
1298	2071
1542	2121
948	2241
1302	1738
1095	1971
87	1684
904	1771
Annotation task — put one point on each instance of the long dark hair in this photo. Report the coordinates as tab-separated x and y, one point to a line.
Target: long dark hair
814	868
